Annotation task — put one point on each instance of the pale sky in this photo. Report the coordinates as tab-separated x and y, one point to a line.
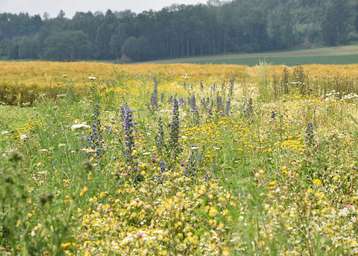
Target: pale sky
71	6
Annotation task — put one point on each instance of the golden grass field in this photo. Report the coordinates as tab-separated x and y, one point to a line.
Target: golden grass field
52	76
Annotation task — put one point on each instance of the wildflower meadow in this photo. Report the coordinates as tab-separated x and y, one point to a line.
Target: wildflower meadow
178	159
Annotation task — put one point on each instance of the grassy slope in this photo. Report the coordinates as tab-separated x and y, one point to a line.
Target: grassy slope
327	55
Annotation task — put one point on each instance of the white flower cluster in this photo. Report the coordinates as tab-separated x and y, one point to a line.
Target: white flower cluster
334	95
350	96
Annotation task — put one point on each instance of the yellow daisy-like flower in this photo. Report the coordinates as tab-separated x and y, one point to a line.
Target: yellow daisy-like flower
83	191
213	212
317	182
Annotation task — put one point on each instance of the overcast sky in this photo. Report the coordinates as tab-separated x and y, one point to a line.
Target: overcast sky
71	6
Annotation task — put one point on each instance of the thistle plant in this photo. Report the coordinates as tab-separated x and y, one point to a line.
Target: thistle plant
300	78
203	103
194	110
122	112
154	97
219	104
228	107
192	165
181	102
160	140
128	127
174	130
213	89
210	108
309	134
248	108
163	166
192	103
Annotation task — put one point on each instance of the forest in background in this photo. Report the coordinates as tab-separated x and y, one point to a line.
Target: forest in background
180	30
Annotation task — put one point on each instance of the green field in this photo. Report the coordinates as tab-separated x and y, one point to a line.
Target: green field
327	55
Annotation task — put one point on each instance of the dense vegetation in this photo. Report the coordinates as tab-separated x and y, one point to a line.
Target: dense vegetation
178	31
103	159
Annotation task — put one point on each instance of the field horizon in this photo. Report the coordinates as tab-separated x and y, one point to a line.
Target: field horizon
338	55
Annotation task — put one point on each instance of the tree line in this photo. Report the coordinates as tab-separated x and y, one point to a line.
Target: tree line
180	30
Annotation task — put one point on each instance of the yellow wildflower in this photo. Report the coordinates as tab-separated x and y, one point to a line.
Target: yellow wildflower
213	212
83	191
65	246
317	182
